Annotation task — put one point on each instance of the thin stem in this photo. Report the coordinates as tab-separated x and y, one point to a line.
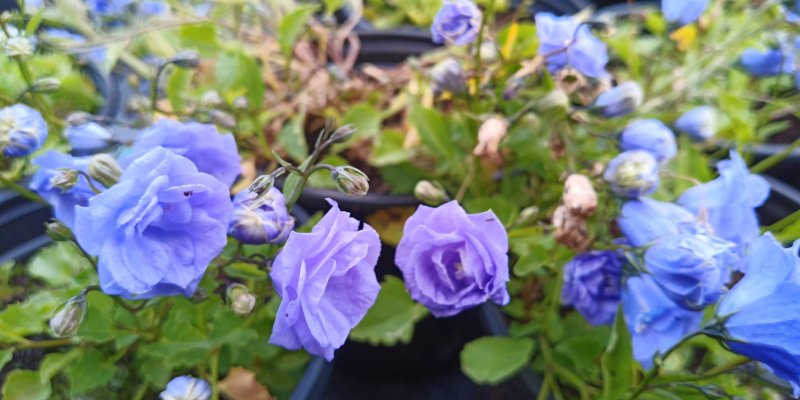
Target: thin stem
21	190
658	361
774	159
130	308
89	181
214	374
43	344
154	87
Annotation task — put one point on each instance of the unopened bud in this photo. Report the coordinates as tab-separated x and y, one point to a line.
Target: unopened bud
58	231
554	99
68	317
342	133
6	16
241	103
350	180
104	169
262	185
46	85
579	196
448	75
430	193
241	300
528	215
633	173
79	118
65	179
211	99
620	100
222	119
186	59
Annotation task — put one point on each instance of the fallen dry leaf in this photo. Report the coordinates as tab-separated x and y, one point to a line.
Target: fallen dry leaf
241	384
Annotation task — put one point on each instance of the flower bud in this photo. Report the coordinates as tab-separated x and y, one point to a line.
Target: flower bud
222	119
19	46
79	118
21	142
632	174
65	179
571	230
262	185
260	219
528	215
554	99
6	16
448	75
211	99
186	59
46	85
699	123
241	300
579	196
68	317
490	134
430	193
350	180
58	231
241	103
104	169
342	133
88	137
620	100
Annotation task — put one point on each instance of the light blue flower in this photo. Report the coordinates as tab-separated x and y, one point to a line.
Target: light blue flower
157	229
632	174
186	388
700	123
63	202
683	12
212	152
761	311
727	205
88	137
457	23
655	322
650	135
623	99
22	130
691	269
108	7
644	220
592	283
566	43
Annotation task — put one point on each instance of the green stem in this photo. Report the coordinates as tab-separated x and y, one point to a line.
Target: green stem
774	159
154	87
21	190
214	375
43	344
658	361
479	44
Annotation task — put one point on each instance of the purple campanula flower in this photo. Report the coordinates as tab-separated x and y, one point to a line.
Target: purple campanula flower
700	123
655	322
632	173
88	137
644	220
186	388
260	219
456	23
451	260
727	204
650	135
620	100
683	12
157	229
760	312
22	130
691	269
326	281
566	43
63	202
592	285
213	153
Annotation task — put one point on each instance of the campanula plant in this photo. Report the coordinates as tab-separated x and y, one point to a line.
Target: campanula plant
563	175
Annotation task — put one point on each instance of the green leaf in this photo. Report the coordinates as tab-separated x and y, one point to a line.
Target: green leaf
200	37
293	138
35	21
53	363
5	356
392	318
493	359
236	74
26	385
433	131
98	324
291	26
388	149
90	372
365	118
617	361
62	264
177	86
